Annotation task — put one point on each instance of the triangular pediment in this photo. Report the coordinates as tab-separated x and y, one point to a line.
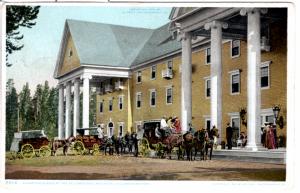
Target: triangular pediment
179	11
68	59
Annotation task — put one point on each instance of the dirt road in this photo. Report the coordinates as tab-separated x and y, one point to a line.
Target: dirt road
130	168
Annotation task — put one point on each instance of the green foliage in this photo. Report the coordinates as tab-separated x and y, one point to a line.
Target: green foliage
35	113
18	16
93	102
26	109
11	112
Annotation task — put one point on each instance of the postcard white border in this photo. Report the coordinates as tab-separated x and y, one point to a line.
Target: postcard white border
178	186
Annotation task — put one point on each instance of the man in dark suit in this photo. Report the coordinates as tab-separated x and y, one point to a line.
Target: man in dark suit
229	133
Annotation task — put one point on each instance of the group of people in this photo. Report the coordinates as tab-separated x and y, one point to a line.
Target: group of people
167	127
269	136
130	140
229	135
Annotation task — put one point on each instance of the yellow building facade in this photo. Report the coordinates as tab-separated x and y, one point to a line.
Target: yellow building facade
232	103
143	83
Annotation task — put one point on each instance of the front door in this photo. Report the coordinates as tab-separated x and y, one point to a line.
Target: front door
110	129
235	124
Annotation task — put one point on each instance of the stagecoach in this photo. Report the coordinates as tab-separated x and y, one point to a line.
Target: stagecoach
87	141
30	143
150	143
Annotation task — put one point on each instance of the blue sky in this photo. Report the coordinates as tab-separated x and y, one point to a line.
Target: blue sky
36	61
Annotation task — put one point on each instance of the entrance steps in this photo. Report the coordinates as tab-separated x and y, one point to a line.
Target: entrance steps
277	156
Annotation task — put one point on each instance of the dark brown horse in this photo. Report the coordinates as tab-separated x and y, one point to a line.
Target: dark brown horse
172	141
64	143
188	144
200	139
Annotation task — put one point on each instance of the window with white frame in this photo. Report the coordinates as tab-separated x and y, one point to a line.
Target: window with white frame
264	71
169	95
138	100
235	48
121	129
170	64
153	72
267	115
110	105
207	87
208	56
152	98
121	99
235	82
101	107
139	76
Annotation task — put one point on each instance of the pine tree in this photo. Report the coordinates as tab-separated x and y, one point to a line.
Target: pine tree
26	109
92	112
11	112
18	16
52	104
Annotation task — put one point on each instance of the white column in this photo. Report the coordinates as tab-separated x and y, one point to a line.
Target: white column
86	101
216	74
61	133
68	129
186	81
76	108
253	82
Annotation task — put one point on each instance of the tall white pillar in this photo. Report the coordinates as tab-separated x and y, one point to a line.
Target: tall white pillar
216	74
253	82
186	81
86	101
76	108
61	133
68	129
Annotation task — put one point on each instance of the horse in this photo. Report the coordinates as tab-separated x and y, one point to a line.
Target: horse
188	143
211	142
200	139
58	143
173	140
109	143
127	142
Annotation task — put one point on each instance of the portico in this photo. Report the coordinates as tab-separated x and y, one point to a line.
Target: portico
220	24
81	80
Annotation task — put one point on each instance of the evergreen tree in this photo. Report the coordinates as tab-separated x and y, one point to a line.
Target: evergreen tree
18	16
11	112
36	102
52	113
92	112
26	109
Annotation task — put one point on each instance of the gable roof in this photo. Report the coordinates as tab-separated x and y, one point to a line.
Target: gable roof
106	44
159	44
100	44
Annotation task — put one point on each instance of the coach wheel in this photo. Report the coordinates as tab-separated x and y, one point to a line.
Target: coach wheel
144	147
95	150
45	151
27	151
159	149
78	147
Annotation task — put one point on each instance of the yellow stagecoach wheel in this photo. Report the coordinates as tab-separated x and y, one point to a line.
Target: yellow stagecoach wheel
144	147
45	151
27	151
159	149
95	150
78	147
